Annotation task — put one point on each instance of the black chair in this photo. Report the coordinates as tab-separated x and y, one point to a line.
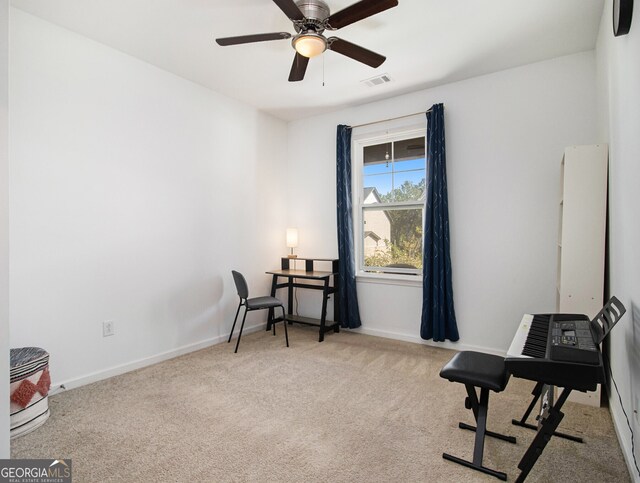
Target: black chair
487	372
256	303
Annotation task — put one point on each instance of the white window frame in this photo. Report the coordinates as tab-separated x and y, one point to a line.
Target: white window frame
399	275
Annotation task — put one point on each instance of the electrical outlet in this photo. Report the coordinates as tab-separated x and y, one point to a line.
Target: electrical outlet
108	328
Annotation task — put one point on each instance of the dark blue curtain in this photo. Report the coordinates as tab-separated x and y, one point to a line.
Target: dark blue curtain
438	314
348	311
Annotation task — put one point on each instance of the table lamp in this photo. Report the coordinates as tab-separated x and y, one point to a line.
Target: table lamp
292	240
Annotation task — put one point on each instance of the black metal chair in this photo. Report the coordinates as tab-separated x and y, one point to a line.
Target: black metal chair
255	303
488	373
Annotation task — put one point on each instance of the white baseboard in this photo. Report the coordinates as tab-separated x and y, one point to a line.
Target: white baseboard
147	361
625	441
458	346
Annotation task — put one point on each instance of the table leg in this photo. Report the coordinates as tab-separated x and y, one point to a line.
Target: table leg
336	303
290	298
323	315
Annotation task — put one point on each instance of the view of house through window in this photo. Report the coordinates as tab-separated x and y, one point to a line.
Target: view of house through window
391	209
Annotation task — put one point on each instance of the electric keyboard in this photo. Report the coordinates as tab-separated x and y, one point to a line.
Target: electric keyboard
556	349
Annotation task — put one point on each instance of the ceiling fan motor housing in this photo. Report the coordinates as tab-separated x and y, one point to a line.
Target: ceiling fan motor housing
315	12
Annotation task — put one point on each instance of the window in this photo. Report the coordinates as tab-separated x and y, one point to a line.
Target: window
389	195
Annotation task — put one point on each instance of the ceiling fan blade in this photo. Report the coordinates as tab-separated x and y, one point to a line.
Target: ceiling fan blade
290	9
299	68
358	11
247	39
355	52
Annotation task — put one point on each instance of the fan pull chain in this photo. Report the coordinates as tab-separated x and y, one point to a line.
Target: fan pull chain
323	71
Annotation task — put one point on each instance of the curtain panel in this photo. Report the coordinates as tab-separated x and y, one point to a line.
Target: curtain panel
438	313
348	310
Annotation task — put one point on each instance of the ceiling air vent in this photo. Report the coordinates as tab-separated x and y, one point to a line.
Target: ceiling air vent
377	80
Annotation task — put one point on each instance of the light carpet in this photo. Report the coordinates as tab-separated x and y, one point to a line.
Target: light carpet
354	408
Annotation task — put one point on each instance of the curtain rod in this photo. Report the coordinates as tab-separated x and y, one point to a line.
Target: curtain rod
391	119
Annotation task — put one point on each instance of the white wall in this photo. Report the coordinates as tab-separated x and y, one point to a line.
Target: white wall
133	194
506	133
4	229
619	101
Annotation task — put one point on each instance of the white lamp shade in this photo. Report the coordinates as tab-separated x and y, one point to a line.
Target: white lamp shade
292	237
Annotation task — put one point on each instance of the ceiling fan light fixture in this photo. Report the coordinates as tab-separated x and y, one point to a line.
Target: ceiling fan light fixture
309	44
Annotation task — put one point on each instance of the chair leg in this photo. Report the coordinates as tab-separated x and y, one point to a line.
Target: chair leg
480	412
478	448
503	437
284	322
241	327
234	322
473	404
270	318
273	328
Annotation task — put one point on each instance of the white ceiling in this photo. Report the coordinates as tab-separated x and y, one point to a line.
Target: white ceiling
427	43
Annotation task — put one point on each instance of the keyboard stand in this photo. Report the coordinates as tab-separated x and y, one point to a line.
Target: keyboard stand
537	392
547	429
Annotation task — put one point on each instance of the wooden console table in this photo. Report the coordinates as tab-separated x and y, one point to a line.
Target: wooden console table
309	273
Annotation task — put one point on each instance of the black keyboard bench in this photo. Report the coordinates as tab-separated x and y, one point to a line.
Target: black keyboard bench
487	372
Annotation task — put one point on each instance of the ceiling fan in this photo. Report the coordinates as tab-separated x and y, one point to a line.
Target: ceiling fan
310	19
